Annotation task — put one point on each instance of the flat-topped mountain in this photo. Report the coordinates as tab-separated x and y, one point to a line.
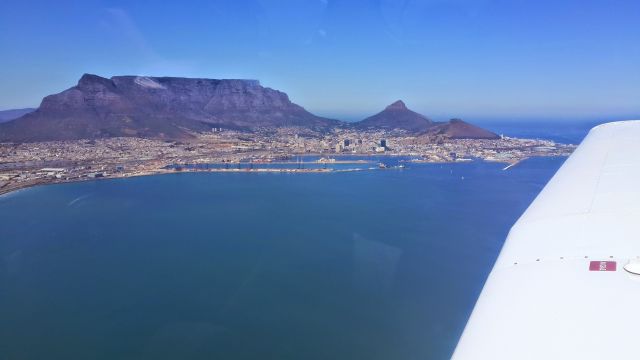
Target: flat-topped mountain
396	116
157	107
176	108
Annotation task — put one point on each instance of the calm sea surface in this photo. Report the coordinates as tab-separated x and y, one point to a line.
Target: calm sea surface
382	264
370	265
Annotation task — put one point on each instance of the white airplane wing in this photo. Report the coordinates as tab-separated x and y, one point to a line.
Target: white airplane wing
560	288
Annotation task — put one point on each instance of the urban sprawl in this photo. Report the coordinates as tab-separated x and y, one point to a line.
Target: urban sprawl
27	164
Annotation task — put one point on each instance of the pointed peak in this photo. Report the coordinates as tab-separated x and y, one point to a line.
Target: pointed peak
398	105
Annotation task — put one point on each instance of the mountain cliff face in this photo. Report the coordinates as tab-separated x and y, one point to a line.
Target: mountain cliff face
157	107
396	116
176	108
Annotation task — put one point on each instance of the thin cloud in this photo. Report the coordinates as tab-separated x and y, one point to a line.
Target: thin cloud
123	25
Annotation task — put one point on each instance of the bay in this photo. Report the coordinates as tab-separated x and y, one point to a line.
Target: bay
383	264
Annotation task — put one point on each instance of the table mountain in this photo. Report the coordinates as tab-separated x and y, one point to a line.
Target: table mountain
157	107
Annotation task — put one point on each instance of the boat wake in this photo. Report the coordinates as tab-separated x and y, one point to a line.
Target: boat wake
79	198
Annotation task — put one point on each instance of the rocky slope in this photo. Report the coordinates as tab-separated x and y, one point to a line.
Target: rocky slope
157	107
396	116
8	115
458	129
176	108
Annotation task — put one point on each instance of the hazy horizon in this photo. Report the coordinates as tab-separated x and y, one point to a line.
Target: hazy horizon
481	118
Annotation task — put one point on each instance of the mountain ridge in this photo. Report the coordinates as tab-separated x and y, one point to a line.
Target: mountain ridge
459	129
176	108
11	114
397	116
157	107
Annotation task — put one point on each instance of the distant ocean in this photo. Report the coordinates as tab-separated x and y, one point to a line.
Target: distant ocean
360	265
562	131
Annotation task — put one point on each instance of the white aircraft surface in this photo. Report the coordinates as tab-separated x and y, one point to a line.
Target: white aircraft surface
567	282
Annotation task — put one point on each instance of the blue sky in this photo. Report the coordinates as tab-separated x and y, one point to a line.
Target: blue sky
344	58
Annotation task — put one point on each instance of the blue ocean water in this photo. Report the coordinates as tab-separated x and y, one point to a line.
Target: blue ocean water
562	131
383	264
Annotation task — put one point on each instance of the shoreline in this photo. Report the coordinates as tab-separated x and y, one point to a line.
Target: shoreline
40	182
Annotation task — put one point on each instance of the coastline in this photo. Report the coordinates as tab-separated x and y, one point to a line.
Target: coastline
7	190
43	182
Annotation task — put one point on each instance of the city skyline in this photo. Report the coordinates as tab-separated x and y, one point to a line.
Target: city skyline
345	60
